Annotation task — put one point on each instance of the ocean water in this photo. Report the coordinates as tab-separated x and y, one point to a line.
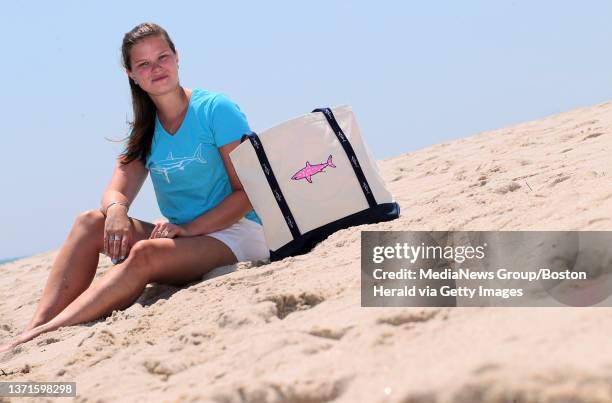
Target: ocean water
2	261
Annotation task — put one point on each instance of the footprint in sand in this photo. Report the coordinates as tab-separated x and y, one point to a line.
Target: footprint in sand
592	135
559	179
408	317
508	187
47	341
289	303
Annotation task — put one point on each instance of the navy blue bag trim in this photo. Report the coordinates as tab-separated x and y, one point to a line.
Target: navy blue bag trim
272	182
350	153
304	244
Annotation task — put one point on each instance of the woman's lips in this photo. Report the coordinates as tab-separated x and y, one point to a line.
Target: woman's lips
159	78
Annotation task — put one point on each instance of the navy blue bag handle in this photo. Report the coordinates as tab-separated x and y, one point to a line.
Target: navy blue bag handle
272	182
350	153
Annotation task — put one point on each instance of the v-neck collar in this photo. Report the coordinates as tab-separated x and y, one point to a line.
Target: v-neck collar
161	127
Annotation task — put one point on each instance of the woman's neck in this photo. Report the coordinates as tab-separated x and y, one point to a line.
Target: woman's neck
171	106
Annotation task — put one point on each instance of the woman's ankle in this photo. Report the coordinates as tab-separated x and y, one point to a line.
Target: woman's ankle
35	323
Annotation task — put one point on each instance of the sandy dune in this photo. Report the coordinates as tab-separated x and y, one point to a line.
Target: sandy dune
294	331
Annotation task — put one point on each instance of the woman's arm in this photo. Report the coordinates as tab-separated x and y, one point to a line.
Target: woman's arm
124	184
123	187
230	210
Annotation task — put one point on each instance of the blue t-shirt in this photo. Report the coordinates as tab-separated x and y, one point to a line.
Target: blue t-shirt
186	168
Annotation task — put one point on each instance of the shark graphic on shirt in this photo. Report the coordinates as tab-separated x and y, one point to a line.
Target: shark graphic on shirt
309	170
171	163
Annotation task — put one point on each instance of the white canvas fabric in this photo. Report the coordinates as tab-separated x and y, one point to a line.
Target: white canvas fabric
313	172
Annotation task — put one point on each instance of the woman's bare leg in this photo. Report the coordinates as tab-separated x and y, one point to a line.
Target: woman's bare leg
75	265
175	261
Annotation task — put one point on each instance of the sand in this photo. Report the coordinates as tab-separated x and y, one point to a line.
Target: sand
294	331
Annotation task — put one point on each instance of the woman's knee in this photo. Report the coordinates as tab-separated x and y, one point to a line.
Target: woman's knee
90	220
89	227
141	257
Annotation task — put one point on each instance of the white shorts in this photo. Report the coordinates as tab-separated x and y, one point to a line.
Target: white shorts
246	239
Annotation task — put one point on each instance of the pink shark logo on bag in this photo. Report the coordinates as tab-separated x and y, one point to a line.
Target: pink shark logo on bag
309	170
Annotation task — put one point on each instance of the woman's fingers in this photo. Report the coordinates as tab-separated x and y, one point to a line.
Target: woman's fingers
111	245
172	231
124	247
106	248
169	231
116	245
116	248
154	232
163	230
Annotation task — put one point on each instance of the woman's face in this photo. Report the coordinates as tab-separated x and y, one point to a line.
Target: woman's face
154	65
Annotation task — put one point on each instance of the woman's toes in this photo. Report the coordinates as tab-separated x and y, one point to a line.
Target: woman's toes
7	346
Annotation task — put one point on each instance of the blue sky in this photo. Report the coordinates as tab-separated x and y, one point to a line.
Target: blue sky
415	73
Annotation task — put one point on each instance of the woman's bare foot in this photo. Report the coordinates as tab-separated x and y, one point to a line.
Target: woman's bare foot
8	346
27	335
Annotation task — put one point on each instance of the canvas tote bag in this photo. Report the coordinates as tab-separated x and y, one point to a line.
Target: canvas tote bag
309	177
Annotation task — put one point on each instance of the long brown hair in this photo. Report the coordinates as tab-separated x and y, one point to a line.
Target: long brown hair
139	142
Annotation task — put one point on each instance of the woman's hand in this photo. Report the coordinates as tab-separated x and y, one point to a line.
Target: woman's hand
117	233
167	230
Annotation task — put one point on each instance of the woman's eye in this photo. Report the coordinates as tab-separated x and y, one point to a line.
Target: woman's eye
164	56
